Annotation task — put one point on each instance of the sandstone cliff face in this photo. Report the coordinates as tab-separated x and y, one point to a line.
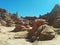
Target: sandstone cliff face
56	23
53	17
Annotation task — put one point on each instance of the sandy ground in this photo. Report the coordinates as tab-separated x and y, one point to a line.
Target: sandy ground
6	38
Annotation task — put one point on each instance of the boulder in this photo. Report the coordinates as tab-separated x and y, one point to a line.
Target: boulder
3	23
47	33
57	30
22	34
10	23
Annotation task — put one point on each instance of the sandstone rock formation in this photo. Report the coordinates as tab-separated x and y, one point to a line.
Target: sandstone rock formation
53	17
7	19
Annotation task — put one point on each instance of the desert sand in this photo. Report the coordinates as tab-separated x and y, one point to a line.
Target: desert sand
7	38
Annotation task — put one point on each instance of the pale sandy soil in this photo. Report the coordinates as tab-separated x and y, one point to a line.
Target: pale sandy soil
7	38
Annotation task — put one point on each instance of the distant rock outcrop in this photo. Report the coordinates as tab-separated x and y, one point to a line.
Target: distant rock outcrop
7	19
53	17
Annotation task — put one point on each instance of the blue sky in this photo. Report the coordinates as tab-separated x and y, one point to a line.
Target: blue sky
29	7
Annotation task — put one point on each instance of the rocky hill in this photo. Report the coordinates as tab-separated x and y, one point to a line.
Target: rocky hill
7	19
53	17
